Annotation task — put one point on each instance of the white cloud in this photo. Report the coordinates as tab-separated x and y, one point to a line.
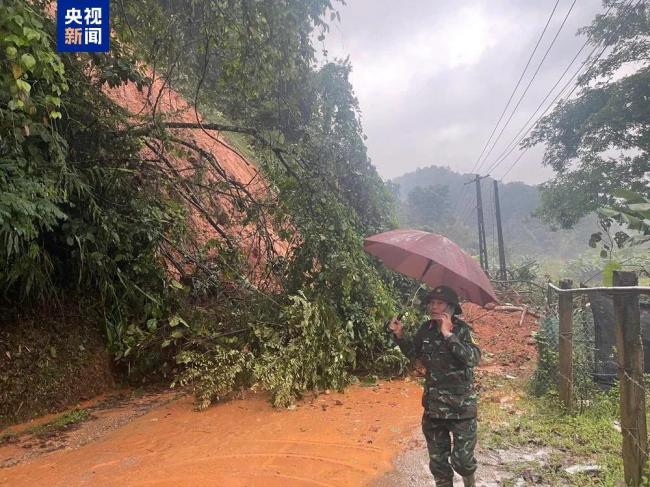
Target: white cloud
454	40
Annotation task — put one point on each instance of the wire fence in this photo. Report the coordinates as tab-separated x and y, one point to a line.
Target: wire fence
593	340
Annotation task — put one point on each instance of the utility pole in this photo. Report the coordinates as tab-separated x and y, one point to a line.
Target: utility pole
502	252
482	242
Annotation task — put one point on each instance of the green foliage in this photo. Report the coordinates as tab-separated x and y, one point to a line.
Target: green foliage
527	270
610	113
313	351
585	438
73	417
546	374
591	267
332	196
232	55
584	268
524	233
333	144
632	210
305	347
32	76
84	214
61	423
330	265
78	212
214	374
428	206
253	60
584	387
624	224
31	83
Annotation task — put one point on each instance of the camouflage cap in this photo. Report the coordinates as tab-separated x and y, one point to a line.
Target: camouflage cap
444	293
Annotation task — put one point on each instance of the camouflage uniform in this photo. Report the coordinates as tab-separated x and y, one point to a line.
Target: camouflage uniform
449	398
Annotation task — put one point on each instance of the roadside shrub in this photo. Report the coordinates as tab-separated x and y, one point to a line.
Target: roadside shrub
94	211
214	374
313	351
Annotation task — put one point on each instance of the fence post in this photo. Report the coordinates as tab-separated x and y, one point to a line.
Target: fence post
629	349
565	311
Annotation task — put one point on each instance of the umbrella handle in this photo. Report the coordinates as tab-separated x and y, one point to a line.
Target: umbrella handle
401	313
415	294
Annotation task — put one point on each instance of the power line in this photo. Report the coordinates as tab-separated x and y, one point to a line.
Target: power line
467	207
466	200
499	161
501	156
510	147
566	97
521	77
539	66
470	205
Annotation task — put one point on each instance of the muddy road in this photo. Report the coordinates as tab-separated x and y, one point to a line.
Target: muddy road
366	435
335	439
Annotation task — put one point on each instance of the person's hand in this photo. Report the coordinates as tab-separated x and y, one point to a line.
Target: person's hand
446	326
396	327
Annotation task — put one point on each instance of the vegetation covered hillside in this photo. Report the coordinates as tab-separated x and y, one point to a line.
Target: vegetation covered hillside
437	197
124	216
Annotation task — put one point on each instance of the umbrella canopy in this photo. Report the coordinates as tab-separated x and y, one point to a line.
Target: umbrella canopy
434	260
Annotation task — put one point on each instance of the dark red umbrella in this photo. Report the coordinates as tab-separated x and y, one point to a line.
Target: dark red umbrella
434	260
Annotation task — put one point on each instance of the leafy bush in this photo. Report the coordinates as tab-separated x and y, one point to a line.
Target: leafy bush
312	351
214	374
78	212
85	215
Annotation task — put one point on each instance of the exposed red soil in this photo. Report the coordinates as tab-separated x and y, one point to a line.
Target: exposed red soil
187	168
338	439
506	346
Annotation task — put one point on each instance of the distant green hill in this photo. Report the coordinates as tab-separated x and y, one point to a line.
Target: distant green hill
524	234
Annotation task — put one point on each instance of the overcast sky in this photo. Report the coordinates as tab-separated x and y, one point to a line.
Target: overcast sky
432	76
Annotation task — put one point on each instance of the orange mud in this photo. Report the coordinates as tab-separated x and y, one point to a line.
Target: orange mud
336	439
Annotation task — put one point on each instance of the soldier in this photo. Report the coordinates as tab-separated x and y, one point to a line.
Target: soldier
444	344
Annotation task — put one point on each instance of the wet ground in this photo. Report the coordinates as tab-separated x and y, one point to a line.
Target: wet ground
335	439
363	436
22	443
495	466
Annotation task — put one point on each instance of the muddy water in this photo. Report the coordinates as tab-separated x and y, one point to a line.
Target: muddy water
336	439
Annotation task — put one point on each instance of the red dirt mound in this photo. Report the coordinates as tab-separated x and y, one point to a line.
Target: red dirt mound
506	345
195	165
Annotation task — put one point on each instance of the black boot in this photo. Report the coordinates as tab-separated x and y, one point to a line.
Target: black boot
444	482
468	481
